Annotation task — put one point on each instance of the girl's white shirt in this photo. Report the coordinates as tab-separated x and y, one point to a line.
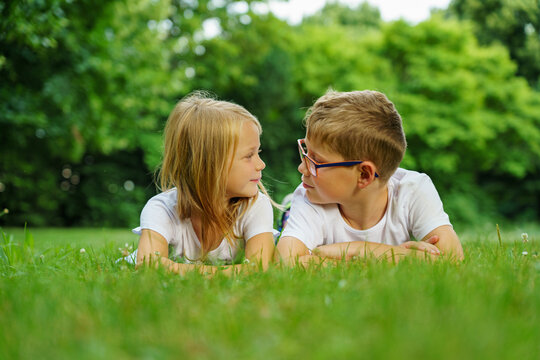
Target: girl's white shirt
160	215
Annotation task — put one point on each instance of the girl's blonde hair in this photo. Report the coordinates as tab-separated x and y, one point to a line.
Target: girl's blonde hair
201	137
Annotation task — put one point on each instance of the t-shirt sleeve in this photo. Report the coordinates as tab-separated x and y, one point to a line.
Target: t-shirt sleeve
305	222
159	217
259	218
426	209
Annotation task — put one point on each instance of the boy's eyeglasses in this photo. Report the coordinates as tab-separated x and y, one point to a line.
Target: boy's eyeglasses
312	165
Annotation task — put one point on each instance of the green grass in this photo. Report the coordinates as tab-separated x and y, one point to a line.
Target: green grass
46	238
67	304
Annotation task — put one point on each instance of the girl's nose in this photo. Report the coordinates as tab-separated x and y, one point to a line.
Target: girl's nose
261	165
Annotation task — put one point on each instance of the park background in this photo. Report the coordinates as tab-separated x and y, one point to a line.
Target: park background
86	87
85	90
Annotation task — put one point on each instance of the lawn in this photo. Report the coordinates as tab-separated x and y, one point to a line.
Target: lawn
57	302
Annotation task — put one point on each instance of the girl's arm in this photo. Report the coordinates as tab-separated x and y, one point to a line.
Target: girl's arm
154	251
260	249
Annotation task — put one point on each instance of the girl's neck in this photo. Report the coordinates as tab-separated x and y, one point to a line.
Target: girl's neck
367	209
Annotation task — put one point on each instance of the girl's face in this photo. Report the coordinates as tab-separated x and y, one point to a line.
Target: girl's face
246	169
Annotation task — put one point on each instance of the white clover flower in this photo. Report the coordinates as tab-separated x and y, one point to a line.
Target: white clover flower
525	253
525	237
126	250
82	251
342	283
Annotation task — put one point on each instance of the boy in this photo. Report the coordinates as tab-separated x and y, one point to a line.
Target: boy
368	206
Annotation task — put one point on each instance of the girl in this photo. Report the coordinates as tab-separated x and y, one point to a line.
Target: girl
210	177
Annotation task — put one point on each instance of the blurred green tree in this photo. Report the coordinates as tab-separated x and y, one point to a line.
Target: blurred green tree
470	122
87	86
86	77
515	24
333	13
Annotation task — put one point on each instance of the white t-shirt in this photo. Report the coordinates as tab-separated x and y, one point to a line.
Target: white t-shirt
160	215
414	209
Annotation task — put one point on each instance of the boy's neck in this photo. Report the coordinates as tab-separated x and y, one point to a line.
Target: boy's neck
366	209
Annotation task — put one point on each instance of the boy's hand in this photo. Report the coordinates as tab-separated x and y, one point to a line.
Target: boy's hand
426	246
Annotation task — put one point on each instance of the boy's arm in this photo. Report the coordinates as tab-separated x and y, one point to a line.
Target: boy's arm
366	249
290	250
448	242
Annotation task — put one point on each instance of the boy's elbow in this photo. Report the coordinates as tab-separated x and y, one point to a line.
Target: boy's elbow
454	250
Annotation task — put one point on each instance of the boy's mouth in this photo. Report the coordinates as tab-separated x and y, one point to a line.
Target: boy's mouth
306	186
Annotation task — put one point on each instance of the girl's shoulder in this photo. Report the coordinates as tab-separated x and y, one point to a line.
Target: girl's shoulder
167	198
260	203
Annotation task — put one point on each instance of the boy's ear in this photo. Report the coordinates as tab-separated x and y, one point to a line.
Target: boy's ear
366	173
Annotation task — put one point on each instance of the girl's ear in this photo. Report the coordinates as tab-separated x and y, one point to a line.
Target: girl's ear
366	173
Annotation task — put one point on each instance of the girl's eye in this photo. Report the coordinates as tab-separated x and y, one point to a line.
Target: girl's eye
252	154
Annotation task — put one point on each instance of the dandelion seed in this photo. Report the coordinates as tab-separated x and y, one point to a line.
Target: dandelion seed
82	251
525	237
42	257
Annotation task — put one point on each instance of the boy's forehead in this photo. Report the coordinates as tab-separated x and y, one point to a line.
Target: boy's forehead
318	148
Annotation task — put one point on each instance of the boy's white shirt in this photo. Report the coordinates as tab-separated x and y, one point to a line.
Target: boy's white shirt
414	208
160	215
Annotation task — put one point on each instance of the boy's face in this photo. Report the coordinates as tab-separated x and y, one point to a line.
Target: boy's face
332	184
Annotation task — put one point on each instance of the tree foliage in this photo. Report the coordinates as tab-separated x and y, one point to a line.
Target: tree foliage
515	24
87	86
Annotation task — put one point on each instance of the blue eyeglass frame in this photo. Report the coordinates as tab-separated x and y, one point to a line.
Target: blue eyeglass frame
317	165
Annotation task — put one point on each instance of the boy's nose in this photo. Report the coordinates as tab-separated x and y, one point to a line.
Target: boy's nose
302	168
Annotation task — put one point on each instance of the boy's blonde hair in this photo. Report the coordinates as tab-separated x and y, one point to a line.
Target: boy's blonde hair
359	125
201	137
